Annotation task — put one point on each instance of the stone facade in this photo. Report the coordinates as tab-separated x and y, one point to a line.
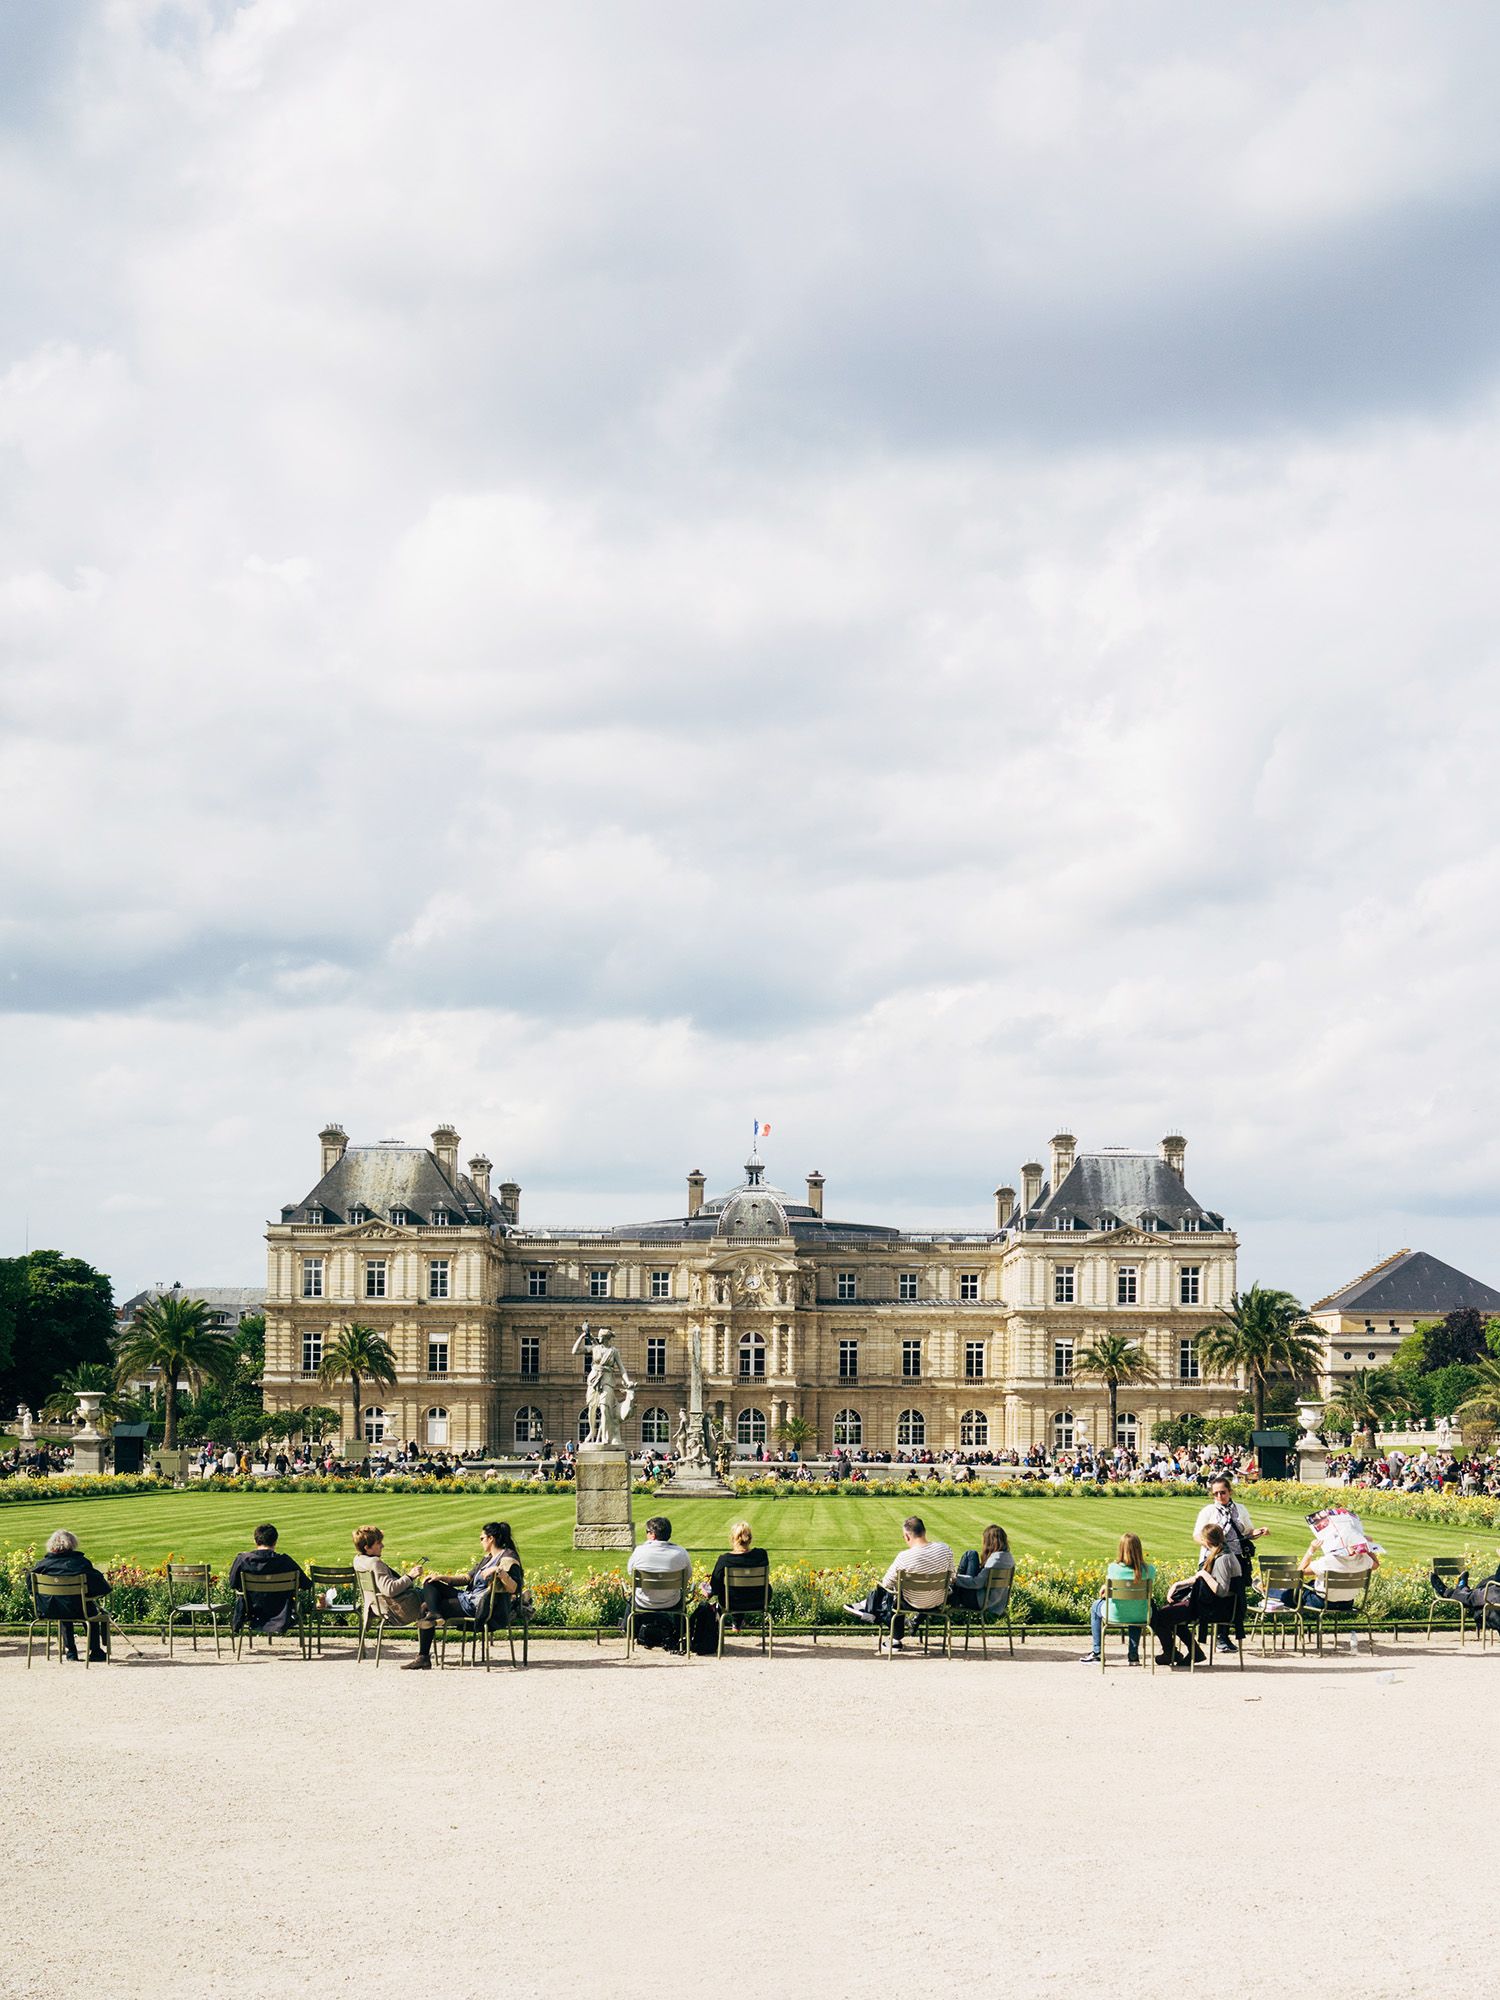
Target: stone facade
882	1337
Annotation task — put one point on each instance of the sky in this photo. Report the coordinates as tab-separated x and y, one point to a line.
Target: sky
924	575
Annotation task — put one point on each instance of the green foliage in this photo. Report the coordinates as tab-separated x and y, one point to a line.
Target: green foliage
795	1432
172	1336
1451	1386
62	1405
358	1355
1457	1338
1234	1431
56	1313
1184	1432
1267	1334
1492	1335
1113	1359
1411	1354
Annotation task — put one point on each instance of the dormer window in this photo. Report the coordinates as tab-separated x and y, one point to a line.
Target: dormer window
315	1217
358	1215
440	1218
401	1217
1109	1222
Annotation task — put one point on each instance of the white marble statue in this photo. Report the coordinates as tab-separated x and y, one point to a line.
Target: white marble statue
609	1394
23	1422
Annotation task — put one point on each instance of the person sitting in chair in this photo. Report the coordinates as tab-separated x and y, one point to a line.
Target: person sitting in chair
468	1595
919	1558
270	1611
64	1558
660	1557
397	1595
968	1591
1324	1571
1482	1598
1203	1599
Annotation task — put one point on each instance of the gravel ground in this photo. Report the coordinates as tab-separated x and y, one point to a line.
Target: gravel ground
825	1820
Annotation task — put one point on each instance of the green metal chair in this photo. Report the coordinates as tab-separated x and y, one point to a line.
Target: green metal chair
478	1630
1274	1618
991	1606
338	1578
675	1609
1448	1569
270	1583
1345	1598
190	1595
49	1597
922	1596
1127	1612
370	1614
747	1594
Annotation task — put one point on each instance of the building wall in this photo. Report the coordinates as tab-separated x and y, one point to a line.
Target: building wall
794	1317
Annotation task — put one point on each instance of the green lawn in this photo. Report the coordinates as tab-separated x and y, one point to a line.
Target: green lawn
315	1527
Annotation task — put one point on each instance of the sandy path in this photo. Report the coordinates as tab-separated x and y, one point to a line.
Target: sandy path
826	1820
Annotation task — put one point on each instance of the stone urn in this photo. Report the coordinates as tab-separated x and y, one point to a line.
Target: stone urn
89	1403
1312	1453
1309	1415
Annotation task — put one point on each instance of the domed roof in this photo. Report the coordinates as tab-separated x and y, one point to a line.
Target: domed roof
752	1209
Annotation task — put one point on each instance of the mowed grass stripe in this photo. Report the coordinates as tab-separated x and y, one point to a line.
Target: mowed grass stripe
444	1529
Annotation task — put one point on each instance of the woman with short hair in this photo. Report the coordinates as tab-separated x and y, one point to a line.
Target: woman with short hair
64	1558
397	1594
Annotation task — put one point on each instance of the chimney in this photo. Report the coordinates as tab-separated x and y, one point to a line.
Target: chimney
1064	1146
479	1174
335	1141
696	1185
445	1145
815	1192
510	1200
1005	1205
1031	1184
1174	1153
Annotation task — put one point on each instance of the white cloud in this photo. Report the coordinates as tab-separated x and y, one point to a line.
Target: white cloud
605	573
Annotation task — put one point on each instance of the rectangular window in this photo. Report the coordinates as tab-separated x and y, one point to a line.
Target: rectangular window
1062	1360
437	1278
974	1360
531	1355
1127	1285
906	1285
437	1357
661	1284
375	1277
846	1287
312	1353
312	1277
440	1218
911	1360
656	1355
1187	1360
401	1217
536	1282
968	1285
598	1284
1064	1284
848	1360
315	1218
1190	1285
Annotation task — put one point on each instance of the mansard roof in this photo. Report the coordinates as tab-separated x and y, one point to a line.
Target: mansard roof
1411	1281
389	1177
1103	1190
756	1210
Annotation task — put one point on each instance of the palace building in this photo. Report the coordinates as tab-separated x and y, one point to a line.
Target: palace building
878	1336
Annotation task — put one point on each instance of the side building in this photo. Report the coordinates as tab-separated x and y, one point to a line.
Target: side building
877	1336
1365	1322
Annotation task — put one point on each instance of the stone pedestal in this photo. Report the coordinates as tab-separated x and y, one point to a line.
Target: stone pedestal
695	1483
1312	1463
170	1465
91	1455
603	1483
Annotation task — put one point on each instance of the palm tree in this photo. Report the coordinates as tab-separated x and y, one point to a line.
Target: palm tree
796	1432
1113	1359
1360	1401
1479	1412
1266	1333
62	1405
358	1355
172	1336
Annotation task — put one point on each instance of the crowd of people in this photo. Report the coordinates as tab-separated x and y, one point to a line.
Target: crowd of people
1422	1471
1208	1607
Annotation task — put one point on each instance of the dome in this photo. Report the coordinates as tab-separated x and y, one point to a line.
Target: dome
753	1209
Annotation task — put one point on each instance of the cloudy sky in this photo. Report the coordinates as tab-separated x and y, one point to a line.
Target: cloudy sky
921	573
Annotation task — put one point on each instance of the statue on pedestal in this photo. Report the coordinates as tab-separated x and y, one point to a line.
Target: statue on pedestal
23	1422
609	1394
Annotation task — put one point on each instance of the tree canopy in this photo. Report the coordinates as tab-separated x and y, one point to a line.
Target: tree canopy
57	1313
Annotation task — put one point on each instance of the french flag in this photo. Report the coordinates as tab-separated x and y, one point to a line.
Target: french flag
762	1131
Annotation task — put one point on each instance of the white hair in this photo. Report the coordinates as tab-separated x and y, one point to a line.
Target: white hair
61	1543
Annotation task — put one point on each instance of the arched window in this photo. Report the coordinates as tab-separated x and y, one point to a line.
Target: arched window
1127	1430
437	1426
752	1355
750	1427
911	1428
374	1426
848	1428
654	1426
1062	1431
973	1427
529	1425
583	1426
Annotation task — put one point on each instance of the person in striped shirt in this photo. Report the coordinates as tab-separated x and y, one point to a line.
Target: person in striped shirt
919	1558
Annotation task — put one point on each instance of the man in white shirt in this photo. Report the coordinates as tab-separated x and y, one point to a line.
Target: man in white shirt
1225	1513
658	1556
919	1558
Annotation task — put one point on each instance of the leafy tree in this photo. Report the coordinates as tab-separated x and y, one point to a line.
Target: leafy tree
357	1355
1448	1388
56	1313
1359	1403
172	1336
232	1408
1187	1430
1411	1354
1266	1333
1233	1430
1492	1335
1113	1359
1458	1336
796	1432
1479	1412
62	1405
313	1422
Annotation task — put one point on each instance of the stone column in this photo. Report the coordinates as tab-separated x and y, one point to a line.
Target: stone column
603	1498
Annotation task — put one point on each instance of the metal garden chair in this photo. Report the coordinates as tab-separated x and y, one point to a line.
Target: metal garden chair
1127	1615
674	1609
922	1596
190	1596
747	1594
339	1579
990	1607
49	1597
270	1583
